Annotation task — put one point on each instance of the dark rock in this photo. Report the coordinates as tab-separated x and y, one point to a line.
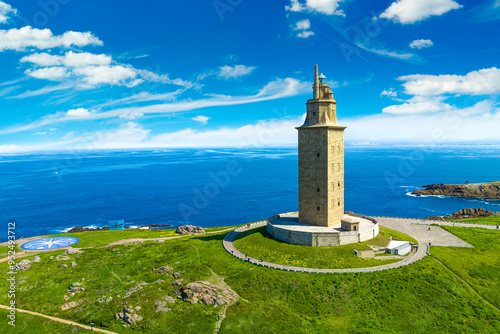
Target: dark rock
178	282
87	229
490	190
163	269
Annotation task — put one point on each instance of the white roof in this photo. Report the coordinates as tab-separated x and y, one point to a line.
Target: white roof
396	243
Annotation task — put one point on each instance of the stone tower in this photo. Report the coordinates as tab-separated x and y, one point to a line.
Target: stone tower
321	159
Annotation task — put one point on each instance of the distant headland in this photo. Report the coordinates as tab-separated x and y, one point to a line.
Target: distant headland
489	190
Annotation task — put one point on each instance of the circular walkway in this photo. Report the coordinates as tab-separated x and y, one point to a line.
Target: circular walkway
231	249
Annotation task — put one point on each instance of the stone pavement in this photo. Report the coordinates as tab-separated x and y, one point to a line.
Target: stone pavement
416	229
413	227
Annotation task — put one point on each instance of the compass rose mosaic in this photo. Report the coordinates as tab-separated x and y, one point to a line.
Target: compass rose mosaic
50	243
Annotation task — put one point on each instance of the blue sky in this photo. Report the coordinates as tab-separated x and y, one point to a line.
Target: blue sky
236	73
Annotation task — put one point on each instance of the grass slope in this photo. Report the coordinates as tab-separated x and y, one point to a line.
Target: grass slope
32	324
260	245
491	220
421	298
478	266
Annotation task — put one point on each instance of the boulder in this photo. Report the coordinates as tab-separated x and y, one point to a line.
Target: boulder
65	266
169	299
178	282
163	269
184	229
161	306
36	259
74	264
69	305
71	251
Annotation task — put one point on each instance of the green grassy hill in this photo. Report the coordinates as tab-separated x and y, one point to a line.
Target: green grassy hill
425	297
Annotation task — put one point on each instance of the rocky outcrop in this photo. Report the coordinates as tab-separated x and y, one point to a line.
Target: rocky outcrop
184	229
161	304
465	213
71	251
205	293
490	190
69	305
128	315
87	229
163	270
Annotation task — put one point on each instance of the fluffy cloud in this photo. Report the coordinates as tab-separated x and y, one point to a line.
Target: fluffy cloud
389	93
202	119
111	75
5	11
89	70
481	82
456	125
302	29
80	112
411	11
70	59
236	71
49	73
28	37
418	105
328	7
421	43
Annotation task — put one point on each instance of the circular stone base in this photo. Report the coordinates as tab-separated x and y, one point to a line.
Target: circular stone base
286	227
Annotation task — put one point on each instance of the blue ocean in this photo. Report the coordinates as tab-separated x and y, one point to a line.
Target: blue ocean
52	192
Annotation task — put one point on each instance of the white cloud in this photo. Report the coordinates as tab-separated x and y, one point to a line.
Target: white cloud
389	93
305	34
80	112
302	28
90	70
302	25
111	75
202	119
131	116
480	82
411	11
28	37
236	71
418	105
421	43
328	7
456	125
5	11
390	53
48	73
41	133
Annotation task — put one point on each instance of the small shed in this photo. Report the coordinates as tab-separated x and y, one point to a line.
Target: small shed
348	224
402	250
395	244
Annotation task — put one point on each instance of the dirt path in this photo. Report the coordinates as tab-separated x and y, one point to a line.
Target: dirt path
60	320
126	241
462	280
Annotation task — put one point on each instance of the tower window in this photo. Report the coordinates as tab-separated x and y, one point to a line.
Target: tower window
338	165
339	201
314	114
318	208
317	154
339	184
318	189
